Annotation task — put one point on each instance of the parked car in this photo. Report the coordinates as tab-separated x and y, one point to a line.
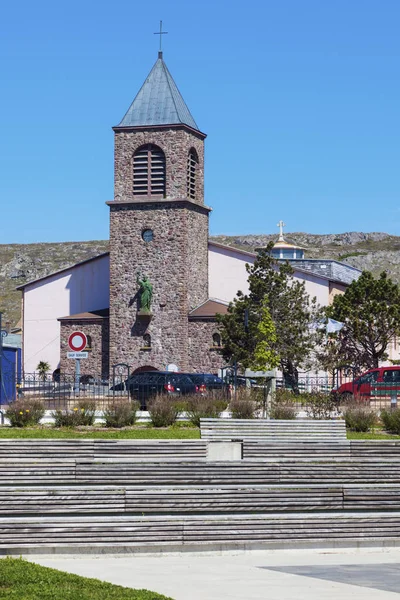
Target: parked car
383	381
147	384
205	382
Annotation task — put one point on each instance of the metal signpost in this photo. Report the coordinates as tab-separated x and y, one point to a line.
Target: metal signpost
77	342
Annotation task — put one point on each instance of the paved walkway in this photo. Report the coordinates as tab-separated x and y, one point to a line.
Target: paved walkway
279	574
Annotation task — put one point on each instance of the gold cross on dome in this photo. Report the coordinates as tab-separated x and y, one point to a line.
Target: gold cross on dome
281	225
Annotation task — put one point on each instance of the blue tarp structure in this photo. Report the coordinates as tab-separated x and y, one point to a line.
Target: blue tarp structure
10	374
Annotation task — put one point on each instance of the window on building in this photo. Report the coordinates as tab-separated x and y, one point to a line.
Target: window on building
89	341
149	171
147	340
193	162
216	340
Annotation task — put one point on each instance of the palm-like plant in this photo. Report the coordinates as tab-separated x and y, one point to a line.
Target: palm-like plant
43	368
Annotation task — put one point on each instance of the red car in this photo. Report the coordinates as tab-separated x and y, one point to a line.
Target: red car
375	382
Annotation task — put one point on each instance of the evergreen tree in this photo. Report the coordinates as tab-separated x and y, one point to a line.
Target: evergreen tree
370	312
292	311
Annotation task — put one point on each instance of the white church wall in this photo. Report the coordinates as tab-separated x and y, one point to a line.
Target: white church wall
227	272
315	286
79	289
227	275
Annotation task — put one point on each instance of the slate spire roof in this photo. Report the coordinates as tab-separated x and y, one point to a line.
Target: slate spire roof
158	101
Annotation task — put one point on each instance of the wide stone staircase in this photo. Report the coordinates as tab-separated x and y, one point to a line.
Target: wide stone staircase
149	496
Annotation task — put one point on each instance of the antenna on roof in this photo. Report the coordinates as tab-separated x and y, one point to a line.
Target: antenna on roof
160	33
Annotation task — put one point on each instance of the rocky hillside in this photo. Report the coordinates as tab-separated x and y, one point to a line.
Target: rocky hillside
367	251
20	263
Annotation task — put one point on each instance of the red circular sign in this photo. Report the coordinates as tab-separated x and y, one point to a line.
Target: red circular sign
77	341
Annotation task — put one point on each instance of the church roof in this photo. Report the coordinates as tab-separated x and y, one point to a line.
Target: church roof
208	309
158	101
94	315
284	244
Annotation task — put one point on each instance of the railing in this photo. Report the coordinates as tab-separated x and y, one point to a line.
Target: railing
63	391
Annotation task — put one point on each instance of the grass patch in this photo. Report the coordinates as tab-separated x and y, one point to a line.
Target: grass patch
130	433
23	580
353	435
350	254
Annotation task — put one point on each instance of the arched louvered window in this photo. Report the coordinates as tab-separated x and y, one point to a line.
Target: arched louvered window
193	162
149	171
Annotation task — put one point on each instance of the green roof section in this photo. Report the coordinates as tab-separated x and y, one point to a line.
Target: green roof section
158	102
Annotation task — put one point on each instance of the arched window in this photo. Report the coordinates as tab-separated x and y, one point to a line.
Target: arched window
216	340
147	340
192	166
149	171
89	342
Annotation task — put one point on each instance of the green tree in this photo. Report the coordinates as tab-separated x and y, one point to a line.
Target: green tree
43	368
265	356
293	314
370	312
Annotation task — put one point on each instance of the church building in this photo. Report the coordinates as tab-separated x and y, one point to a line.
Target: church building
151	300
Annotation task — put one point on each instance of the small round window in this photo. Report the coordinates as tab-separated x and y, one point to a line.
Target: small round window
147	235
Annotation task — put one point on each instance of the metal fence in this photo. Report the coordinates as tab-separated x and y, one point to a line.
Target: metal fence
378	396
64	391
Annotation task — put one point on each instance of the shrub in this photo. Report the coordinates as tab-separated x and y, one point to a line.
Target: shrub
359	417
82	414
319	405
285	412
163	411
391	420
284	396
243	408
283	405
23	413
121	413
203	407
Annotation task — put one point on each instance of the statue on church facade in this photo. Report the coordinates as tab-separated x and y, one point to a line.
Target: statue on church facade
145	293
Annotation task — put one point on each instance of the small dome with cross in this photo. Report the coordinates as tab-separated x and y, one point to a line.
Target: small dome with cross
285	250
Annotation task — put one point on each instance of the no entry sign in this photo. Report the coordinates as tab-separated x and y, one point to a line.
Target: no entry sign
77	341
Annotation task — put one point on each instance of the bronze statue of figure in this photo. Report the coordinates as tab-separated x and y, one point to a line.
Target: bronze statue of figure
146	293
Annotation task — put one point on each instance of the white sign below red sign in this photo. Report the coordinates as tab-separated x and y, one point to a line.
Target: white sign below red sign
77	341
77	355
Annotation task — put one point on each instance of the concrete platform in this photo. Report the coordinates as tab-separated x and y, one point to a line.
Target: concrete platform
273	575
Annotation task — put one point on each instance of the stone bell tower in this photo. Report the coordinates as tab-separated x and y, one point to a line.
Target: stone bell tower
158	226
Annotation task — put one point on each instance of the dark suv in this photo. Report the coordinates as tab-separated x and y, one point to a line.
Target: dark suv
145	385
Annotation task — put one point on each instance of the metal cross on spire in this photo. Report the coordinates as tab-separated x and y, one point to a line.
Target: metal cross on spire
160	33
281	225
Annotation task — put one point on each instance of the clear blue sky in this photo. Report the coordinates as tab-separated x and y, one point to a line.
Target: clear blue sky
300	101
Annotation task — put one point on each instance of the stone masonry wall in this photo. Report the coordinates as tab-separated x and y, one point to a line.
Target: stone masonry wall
176	144
203	356
98	357
197	257
179	280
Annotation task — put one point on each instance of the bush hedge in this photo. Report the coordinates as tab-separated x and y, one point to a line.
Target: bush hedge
204	407
242	407
120	413
82	414
359	417
163	411
391	420
24	413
